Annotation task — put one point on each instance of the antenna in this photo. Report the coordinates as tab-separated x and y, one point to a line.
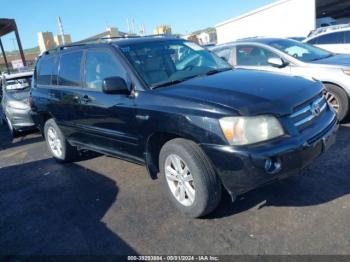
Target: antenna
60	26
128	25
142	30
133	26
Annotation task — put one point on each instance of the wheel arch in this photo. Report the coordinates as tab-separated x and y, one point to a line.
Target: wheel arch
338	85
154	143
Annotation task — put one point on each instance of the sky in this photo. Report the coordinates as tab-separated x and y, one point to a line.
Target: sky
84	18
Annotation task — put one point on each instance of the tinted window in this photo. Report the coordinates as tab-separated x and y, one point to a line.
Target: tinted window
101	64
69	70
161	63
249	55
45	70
347	37
333	38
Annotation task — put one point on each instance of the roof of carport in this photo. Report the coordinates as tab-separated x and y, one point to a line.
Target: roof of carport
7	26
333	8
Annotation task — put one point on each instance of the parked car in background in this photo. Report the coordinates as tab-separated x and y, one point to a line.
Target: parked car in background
294	58
325	21
180	110
15	108
335	38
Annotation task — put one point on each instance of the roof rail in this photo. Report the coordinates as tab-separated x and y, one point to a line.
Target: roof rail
328	29
98	40
110	38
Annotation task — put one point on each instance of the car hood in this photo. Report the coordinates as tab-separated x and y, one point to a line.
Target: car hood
248	92
20	96
336	60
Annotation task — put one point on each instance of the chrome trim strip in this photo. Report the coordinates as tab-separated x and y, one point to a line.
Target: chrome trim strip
305	120
307	108
309	118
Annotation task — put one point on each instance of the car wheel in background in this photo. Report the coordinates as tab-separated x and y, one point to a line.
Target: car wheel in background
189	177
58	145
338	99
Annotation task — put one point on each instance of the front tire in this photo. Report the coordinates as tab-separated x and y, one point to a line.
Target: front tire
57	144
189	177
338	99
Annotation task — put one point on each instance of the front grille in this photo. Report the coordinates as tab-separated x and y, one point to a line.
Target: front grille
307	113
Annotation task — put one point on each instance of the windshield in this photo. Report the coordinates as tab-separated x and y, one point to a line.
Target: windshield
167	62
301	51
18	83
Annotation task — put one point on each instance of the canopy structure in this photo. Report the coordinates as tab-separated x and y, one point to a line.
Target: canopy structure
8	26
333	8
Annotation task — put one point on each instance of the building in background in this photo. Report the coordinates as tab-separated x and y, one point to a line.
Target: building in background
207	37
59	39
162	30
283	18
47	41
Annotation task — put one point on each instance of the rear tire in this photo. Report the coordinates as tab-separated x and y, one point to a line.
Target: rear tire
57	144
339	99
204	195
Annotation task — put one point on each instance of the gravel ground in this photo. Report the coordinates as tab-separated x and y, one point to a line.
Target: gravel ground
107	206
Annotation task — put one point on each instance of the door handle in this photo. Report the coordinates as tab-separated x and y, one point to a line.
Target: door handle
86	99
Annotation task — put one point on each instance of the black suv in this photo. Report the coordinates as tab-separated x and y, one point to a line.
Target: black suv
180	110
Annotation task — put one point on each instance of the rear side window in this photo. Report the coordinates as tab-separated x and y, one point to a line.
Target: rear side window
249	55
46	66
328	39
69	69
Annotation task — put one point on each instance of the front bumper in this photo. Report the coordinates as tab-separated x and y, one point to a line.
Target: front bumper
244	168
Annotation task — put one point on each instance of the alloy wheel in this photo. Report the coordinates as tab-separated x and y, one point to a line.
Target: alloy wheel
332	100
55	142
180	180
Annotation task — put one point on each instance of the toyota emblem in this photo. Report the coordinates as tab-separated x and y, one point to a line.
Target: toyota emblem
315	109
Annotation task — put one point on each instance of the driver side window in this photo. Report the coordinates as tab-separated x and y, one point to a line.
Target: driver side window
249	55
99	65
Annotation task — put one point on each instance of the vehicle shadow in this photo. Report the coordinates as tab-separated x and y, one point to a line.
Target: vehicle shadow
53	209
25	138
325	180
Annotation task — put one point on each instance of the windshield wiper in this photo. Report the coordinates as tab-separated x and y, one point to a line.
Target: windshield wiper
218	70
176	81
172	82
324	57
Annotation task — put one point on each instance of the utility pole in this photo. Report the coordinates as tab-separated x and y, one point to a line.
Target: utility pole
128	25
133	26
60	27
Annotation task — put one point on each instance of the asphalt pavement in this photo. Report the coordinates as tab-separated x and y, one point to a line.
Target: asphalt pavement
105	206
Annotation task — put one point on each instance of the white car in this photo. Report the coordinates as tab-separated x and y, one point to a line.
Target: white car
335	38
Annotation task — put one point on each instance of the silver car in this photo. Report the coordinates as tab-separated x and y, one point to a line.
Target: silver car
15	109
294	58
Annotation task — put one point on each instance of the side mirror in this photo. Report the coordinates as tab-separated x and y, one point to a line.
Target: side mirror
115	85
277	62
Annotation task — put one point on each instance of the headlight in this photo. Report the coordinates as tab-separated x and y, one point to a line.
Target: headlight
346	71
250	130
17	105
